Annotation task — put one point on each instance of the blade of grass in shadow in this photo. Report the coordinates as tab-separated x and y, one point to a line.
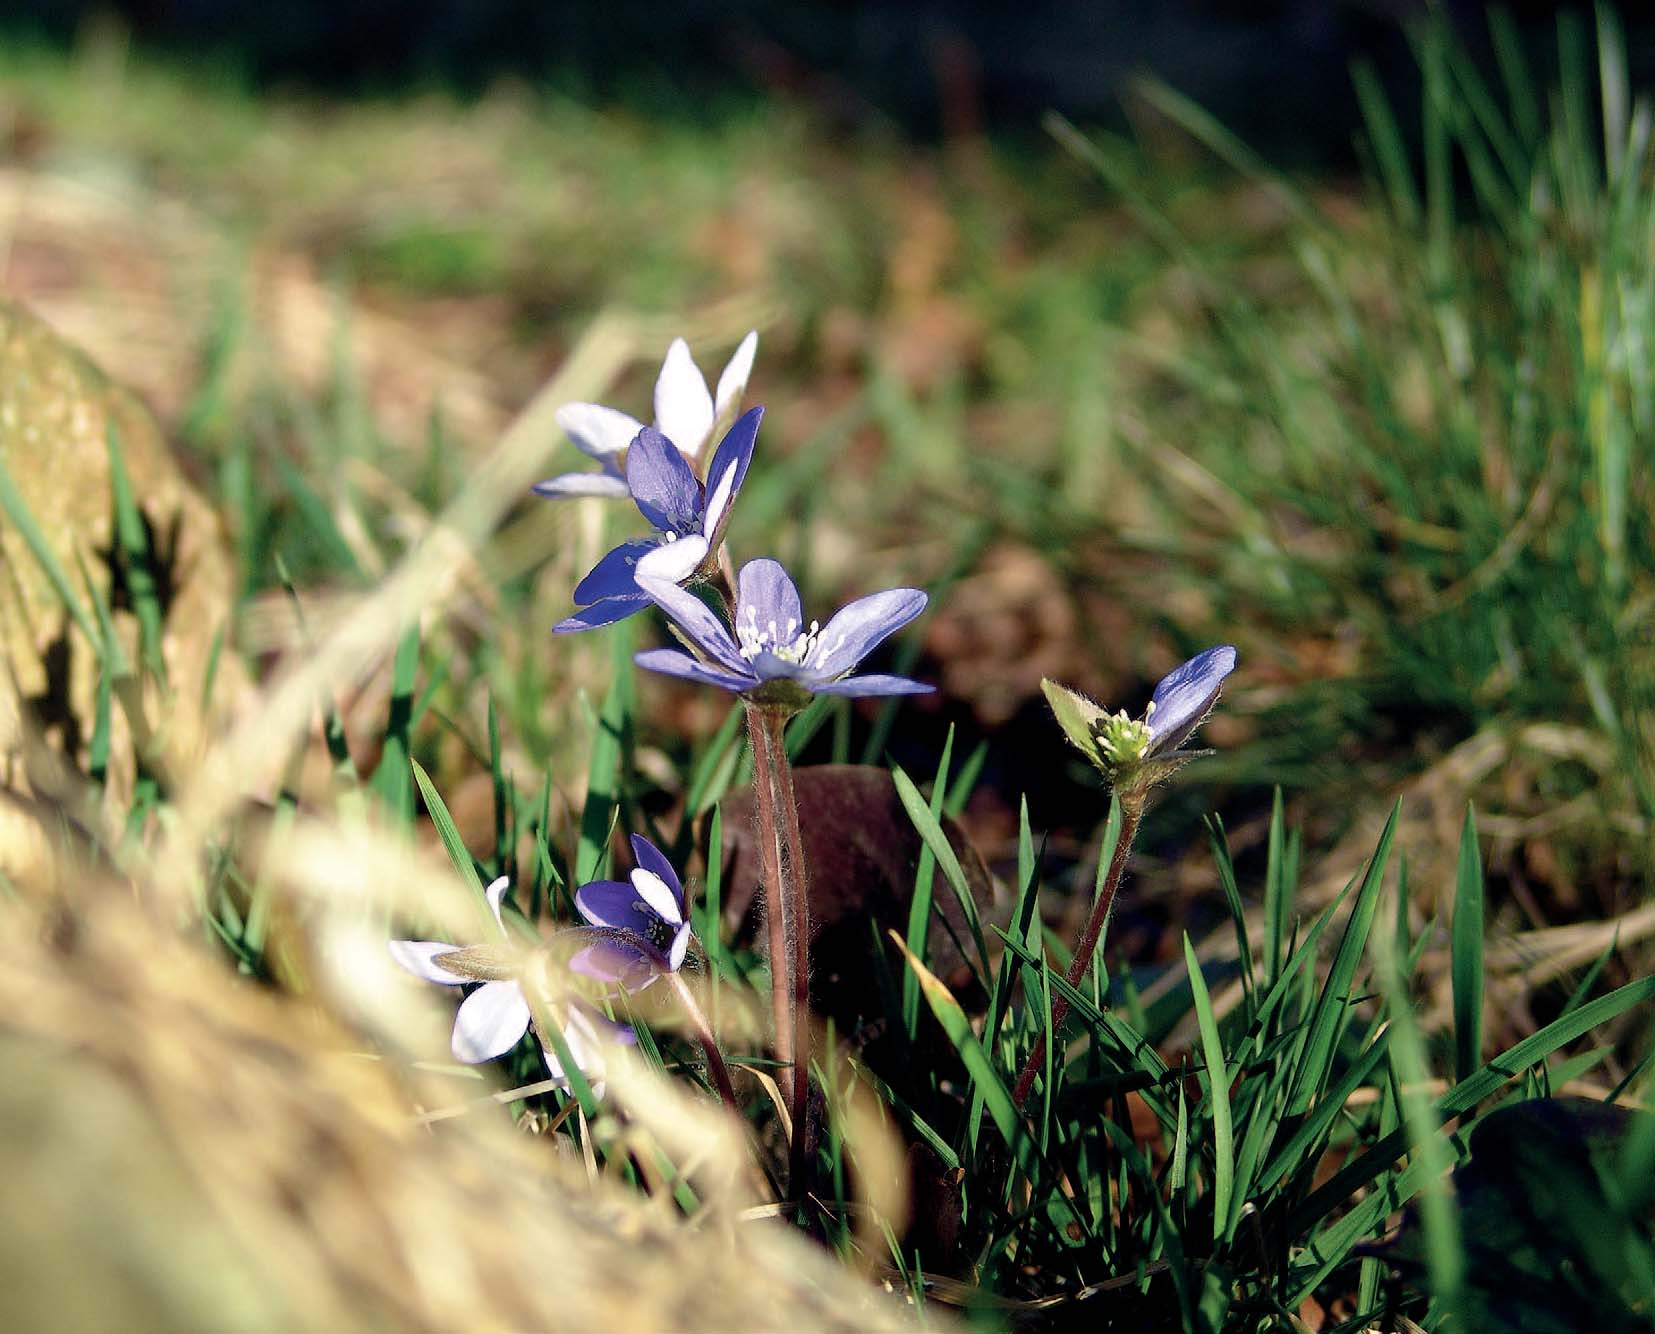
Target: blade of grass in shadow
1215	1081
1466	964
11	501
603	774
447	830
919	909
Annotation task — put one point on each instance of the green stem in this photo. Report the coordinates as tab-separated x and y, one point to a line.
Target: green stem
1131	812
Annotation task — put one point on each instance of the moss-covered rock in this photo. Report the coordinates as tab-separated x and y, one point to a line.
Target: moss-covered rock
57	416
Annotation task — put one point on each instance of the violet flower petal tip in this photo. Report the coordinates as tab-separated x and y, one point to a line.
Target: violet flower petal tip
728	471
875	683
1186	693
613	576
606	612
675	662
857	628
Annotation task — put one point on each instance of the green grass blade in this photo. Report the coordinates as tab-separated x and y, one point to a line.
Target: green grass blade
1467	953
930	831
391	778
447	830
138	561
1215	1080
1331	1005
919	908
603	775
11	501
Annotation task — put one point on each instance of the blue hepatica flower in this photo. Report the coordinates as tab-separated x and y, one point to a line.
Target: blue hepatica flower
1185	697
689	519
1136	753
639	928
494	1017
686	412
773	654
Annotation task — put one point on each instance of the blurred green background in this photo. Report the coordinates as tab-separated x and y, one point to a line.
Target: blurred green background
1318	329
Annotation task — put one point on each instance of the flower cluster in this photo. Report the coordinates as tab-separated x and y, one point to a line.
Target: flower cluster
638	930
766	652
493	1018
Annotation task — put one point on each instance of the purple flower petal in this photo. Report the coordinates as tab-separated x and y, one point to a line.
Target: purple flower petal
614	903
490	1021
606	612
651	858
860	625
596	430
767	601
416	957
674	562
857	687
683	403
612	576
727	472
732	383
675	662
573	484
1185	694
662	484
696	619
629	964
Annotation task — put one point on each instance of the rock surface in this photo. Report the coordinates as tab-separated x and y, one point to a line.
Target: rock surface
56	414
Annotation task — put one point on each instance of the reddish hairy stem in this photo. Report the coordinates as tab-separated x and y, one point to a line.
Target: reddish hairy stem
1131	813
781	856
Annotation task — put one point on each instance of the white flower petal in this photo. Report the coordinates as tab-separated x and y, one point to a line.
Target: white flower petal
683	404
674	561
490	1021
596	430
655	892
732	384
494	893
416	956
571	484
680	947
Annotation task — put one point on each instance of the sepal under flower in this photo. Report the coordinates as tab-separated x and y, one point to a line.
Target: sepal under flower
1134	754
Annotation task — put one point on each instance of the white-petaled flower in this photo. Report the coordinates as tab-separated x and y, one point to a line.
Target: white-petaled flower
494	1017
686	412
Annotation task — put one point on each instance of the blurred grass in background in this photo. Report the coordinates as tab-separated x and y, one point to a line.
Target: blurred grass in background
1115	397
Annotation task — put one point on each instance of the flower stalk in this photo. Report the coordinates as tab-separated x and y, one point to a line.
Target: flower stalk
787	912
1132	809
716	1068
